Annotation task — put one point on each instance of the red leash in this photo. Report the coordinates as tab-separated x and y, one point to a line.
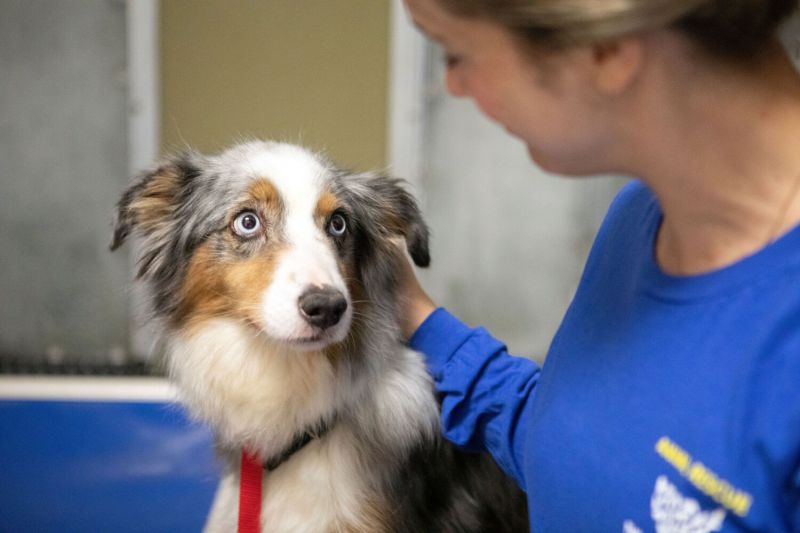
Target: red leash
250	494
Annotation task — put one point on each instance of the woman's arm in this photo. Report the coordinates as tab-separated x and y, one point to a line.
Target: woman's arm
486	393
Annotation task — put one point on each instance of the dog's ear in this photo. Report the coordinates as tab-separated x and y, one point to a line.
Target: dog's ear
383	210
150	207
405	218
386	209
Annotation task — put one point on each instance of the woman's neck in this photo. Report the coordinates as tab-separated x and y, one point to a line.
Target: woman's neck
721	150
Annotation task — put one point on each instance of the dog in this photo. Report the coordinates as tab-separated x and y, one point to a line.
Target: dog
273	277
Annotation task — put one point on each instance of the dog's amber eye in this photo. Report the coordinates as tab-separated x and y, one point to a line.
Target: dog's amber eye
246	224
337	225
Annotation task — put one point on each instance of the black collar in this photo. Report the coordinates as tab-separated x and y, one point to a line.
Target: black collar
301	439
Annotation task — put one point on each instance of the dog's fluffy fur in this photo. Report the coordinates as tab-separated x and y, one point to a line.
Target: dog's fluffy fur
225	289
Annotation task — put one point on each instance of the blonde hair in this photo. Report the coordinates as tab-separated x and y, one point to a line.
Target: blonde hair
730	29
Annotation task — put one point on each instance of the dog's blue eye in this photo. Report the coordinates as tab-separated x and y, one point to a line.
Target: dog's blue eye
337	225
246	224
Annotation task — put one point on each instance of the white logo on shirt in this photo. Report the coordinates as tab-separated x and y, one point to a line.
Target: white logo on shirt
630	527
674	513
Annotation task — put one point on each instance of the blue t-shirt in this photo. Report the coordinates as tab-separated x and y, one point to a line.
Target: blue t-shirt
668	404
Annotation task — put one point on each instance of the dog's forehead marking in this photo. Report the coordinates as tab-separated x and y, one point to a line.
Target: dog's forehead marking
327	204
295	173
263	191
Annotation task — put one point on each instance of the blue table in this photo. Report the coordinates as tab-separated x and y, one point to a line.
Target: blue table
88	461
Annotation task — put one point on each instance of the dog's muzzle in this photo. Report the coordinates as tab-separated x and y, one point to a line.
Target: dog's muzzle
322	307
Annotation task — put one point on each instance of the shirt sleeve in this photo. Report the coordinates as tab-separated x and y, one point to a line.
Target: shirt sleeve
486	393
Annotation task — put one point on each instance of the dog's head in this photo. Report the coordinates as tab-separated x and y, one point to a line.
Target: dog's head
271	235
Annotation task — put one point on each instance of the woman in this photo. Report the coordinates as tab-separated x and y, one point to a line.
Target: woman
670	399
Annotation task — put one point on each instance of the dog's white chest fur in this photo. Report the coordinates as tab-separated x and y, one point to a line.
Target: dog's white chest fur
256	397
321	490
252	392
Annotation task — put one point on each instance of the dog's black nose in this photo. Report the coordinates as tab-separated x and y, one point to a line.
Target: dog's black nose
322	306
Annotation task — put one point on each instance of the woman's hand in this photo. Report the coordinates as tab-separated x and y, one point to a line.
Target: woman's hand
415	304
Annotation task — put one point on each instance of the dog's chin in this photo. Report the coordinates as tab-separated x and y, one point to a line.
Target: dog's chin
311	341
310	344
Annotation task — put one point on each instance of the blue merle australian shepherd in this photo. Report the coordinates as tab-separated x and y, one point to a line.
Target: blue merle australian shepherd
272	275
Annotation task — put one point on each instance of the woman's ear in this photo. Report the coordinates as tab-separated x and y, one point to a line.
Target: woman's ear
616	64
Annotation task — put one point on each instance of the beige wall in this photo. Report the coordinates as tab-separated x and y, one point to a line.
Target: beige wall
313	71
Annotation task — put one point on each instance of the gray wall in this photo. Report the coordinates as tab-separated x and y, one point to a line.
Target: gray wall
62	165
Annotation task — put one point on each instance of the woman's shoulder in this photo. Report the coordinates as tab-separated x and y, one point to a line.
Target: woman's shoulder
633	196
631	217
